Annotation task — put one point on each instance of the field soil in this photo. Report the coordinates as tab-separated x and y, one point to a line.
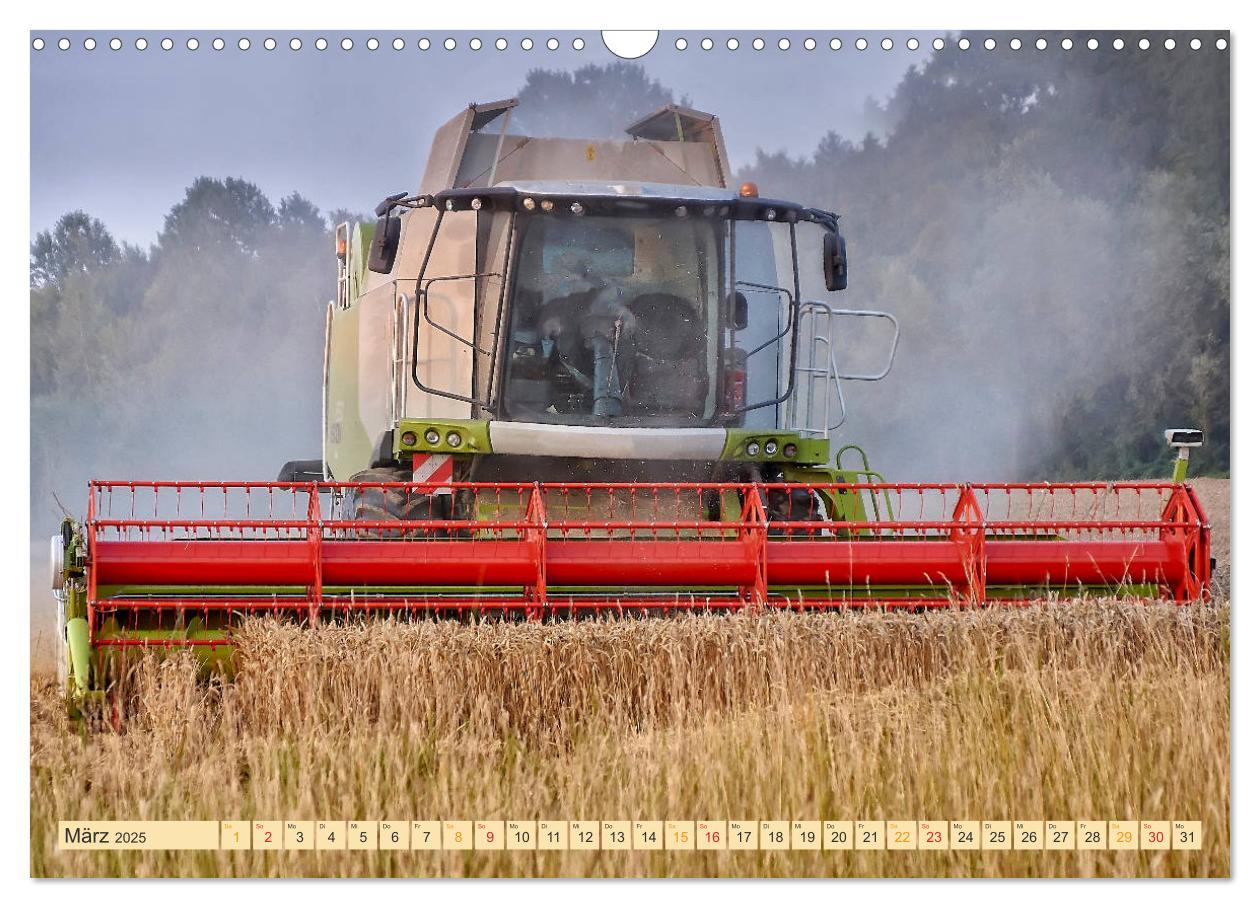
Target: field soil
1099	709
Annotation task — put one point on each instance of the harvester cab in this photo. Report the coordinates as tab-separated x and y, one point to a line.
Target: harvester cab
545	308
571	376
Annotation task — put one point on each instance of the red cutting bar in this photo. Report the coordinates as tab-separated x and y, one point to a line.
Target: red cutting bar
1091	563
963	540
159	562
635	562
436	562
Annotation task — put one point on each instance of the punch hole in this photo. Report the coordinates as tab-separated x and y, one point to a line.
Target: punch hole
629	45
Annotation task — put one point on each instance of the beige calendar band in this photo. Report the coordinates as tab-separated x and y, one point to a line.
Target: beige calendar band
632	835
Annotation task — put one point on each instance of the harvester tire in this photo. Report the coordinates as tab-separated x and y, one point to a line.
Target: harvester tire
392	504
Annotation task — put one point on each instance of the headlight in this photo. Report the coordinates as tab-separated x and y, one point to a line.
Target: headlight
789	451
753	449
432	436
453	439
408	439
772	448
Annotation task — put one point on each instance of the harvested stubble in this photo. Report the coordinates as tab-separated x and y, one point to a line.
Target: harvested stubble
1099	710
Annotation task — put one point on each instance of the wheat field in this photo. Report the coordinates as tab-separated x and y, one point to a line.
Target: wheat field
1077	710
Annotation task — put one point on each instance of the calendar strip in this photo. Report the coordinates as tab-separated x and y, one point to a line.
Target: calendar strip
632	835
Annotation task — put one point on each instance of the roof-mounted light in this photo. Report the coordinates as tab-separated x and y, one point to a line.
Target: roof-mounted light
748	190
528	203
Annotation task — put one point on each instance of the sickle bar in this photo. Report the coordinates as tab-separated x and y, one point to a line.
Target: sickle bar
174	563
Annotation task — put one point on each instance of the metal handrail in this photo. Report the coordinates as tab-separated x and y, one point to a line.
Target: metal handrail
819	364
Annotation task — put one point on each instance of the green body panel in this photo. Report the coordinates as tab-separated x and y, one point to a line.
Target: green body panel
76	631
808	450
348	446
360	247
474	436
475	439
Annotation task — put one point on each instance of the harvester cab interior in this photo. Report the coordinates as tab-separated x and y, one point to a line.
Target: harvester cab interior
572	376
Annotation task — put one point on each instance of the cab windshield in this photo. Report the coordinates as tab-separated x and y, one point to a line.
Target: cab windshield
615	320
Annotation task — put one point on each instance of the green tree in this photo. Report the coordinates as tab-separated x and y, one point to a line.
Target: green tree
217	214
77	243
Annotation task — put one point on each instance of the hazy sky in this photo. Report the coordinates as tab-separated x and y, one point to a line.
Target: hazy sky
120	134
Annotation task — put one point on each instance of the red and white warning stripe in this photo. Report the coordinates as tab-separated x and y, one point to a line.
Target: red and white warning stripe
433	468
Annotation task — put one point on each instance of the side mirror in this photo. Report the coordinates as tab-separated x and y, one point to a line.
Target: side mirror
385	244
388	204
835	262
737	311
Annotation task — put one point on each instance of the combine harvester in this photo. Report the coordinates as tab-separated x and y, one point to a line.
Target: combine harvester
569	377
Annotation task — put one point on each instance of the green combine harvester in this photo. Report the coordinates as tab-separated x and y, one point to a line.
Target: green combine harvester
568	377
